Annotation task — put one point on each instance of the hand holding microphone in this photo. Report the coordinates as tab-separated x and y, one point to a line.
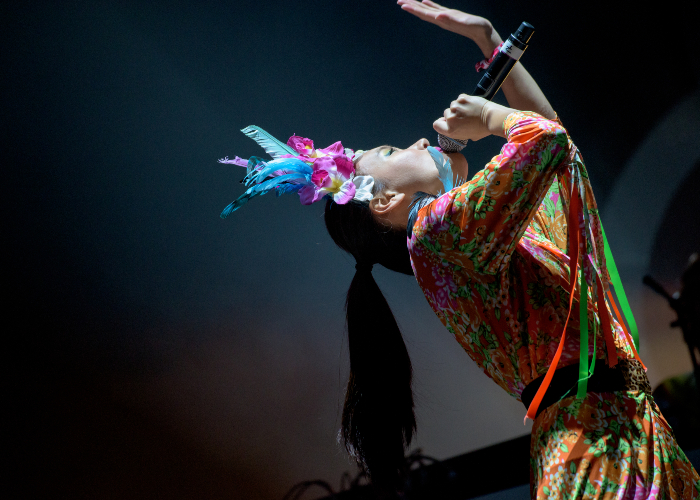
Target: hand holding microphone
491	81
472	118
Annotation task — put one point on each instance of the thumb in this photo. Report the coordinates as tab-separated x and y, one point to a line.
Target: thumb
440	126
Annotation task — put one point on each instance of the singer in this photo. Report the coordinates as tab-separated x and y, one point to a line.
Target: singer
498	260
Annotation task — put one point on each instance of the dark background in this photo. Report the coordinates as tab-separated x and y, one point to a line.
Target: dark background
157	351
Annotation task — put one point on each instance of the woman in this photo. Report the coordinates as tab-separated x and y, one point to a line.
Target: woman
493	259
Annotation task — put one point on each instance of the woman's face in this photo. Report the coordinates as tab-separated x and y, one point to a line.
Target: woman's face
404	172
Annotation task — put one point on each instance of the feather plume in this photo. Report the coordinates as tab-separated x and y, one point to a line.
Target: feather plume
272	146
276	168
444	168
288	188
236	161
260	189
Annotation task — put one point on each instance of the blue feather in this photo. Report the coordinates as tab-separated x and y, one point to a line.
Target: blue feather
444	168
288	165
272	146
259	190
288	188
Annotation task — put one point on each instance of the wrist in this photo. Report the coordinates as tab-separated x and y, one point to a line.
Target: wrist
488	40
493	116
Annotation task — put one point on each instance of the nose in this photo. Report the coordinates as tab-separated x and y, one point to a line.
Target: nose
420	144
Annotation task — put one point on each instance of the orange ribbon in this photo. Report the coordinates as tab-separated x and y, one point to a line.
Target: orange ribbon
574	210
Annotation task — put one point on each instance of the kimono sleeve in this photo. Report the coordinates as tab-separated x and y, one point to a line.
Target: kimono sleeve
478	224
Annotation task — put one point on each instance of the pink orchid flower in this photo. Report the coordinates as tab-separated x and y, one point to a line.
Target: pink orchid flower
301	145
334	149
331	175
305	147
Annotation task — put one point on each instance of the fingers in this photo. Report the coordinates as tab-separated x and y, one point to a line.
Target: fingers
416	10
433	4
459	103
419	9
440	126
463	119
427	5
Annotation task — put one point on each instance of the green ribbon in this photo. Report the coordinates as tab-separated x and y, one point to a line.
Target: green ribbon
583	343
584	371
620	292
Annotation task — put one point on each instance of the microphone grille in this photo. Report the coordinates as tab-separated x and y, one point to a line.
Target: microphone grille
449	145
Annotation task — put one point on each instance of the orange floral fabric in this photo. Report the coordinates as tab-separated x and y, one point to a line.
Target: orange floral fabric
608	446
491	258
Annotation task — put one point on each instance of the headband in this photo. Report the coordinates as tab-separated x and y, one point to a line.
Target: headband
299	167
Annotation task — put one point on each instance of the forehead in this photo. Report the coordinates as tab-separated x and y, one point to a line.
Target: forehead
369	160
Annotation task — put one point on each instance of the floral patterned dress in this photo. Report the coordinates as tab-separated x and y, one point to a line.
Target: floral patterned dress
491	259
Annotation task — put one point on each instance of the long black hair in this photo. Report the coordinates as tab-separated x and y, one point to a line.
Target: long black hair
378	417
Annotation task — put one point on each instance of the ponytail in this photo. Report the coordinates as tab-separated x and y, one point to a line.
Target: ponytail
378	416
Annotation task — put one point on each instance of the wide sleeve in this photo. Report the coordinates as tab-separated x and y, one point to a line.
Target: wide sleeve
478	224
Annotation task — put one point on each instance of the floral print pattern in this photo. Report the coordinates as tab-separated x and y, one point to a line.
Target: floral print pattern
608	445
491	258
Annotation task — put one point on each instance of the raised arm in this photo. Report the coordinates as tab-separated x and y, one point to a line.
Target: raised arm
520	89
478	224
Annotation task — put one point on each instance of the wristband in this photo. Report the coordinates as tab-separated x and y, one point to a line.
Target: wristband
485	62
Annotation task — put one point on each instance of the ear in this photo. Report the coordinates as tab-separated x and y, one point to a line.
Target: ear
385	202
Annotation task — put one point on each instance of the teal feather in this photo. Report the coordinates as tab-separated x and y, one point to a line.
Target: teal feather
287	165
272	146
288	188
263	188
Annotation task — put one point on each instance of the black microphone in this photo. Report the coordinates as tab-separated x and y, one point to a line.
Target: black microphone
494	76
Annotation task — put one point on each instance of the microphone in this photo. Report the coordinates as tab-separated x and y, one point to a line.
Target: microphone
494	76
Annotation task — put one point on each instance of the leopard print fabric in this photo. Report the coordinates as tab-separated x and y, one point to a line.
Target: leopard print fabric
635	377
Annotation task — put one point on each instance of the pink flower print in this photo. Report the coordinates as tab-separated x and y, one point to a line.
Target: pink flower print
515	154
301	145
443	279
509	149
441	205
441	226
417	250
515	386
440	298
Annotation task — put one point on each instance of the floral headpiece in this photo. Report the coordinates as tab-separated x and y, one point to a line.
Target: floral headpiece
299	167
